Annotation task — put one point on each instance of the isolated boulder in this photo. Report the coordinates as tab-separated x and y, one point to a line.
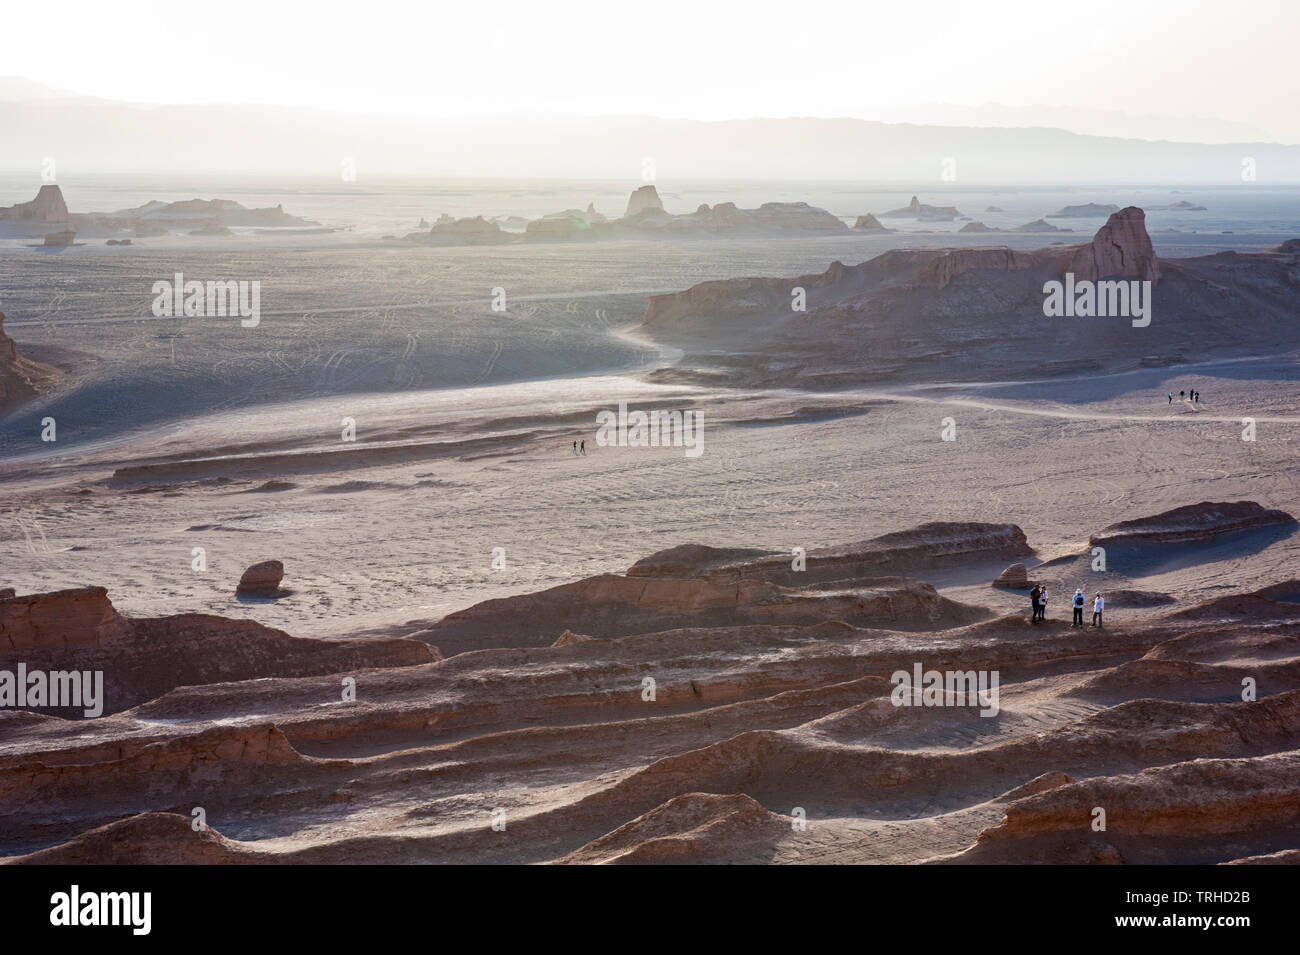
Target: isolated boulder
261	580
1014	577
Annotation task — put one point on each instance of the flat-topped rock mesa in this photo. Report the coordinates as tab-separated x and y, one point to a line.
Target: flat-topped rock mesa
467	231
936	313
916	209
21	378
48	209
643	199
195	216
563	225
82	616
1204	522
145	657
1090	210
227	211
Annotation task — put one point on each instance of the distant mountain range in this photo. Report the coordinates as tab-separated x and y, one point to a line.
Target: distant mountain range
85	134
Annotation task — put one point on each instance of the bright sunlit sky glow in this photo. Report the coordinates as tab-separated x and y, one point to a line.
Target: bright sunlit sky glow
674	58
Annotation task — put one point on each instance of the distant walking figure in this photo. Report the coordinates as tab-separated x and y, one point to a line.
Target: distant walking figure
583	450
1033	603
575	447
1196	397
1098	605
1171	397
1078	608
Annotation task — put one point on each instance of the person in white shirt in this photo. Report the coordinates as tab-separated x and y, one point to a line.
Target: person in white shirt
1098	604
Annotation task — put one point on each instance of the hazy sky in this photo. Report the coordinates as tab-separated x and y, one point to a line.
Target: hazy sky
679	58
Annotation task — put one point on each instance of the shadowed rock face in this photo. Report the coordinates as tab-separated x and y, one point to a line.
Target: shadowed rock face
938	315
143	658
1121	248
20	377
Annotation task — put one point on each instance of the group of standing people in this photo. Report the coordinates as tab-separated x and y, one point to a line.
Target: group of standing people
1193	396
1038	597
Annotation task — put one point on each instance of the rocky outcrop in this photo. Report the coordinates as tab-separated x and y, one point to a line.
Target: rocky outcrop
144	657
1203	522
262	579
1015	577
21	378
1091	210
1120	249
916	209
643	199
697	586
60	239
690	560
1038	225
48	208
80	617
869	223
150	838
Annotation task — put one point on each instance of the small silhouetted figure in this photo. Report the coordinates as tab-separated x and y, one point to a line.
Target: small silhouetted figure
1196	397
1180	396
1171	397
575	447
1098	605
1033	603
583	448
1078	609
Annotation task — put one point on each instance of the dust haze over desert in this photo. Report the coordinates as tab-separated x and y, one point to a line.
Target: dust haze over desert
576	434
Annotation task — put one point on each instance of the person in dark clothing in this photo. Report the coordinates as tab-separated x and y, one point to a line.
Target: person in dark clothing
583	449
1033	603
1078	608
575	447
1180	396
